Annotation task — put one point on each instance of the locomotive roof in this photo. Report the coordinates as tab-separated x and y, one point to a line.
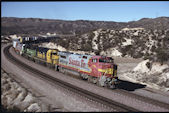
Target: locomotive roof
98	56
70	53
31	46
16	39
42	49
93	56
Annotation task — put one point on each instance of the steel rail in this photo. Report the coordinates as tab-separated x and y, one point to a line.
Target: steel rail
90	95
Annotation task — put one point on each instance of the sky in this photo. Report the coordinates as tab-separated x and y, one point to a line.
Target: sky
118	11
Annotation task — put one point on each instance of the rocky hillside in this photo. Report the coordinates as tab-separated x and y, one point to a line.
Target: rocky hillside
156	76
145	38
11	25
135	42
16	98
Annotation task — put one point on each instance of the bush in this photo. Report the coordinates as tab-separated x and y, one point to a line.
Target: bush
162	55
86	47
146	56
148	64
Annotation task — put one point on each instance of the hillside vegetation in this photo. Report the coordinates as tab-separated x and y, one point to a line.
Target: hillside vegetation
136	43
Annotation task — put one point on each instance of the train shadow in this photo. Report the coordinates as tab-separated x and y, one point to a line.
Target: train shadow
129	86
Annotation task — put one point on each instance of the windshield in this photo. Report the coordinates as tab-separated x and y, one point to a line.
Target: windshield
54	53
103	60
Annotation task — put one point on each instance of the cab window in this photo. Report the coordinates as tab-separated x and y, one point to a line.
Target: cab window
63	57
54	53
102	60
85	57
94	60
111	60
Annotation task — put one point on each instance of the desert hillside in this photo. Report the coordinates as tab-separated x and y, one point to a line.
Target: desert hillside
33	26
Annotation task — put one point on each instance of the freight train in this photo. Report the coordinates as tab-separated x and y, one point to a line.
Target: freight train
100	70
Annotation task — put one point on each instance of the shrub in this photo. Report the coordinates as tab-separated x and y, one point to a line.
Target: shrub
87	47
148	64
162	55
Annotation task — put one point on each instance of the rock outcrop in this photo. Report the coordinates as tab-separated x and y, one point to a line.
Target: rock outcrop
16	98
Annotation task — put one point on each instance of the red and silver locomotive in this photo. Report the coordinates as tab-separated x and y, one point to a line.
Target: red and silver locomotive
97	69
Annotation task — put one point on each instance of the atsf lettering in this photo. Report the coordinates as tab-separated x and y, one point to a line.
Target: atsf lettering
82	63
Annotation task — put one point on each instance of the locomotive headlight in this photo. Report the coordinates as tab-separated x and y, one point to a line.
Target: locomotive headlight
107	71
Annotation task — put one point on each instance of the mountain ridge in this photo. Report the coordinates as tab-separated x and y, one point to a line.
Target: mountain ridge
14	25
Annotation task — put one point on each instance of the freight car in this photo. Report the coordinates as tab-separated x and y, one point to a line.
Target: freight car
14	42
26	40
34	39
19	47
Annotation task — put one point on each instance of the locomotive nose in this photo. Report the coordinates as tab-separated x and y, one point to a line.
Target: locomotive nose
106	68
106	65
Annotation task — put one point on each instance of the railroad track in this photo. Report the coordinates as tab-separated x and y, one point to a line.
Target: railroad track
91	96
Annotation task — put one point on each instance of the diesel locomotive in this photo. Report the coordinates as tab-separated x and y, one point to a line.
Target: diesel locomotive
100	70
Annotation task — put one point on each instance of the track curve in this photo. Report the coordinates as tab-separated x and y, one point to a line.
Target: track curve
92	96
87	94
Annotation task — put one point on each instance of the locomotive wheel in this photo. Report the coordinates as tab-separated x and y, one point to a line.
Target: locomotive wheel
43	63
36	61
62	70
30	58
33	60
94	80
112	86
97	83
84	76
56	68
89	79
81	76
26	56
65	71
101	84
101	81
47	65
